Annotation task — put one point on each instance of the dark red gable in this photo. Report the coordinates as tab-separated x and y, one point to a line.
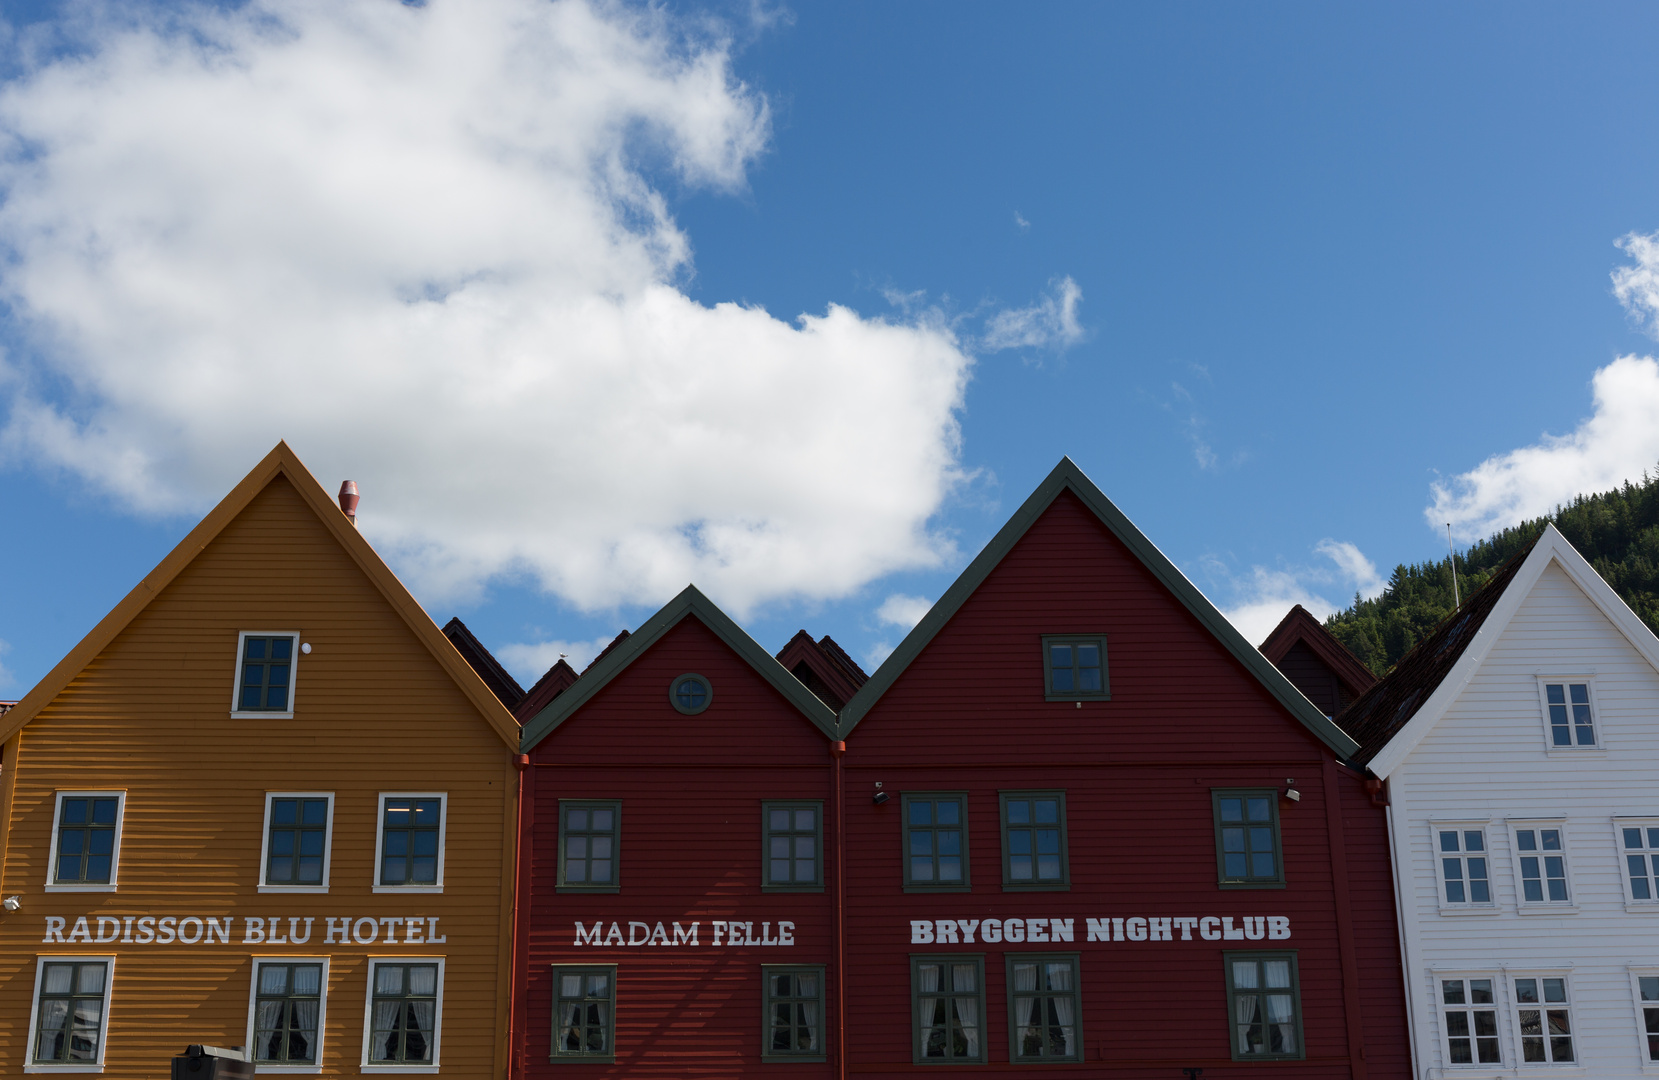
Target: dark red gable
1315	662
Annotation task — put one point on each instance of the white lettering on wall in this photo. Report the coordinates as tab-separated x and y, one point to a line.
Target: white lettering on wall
644	934
218	930
1104	929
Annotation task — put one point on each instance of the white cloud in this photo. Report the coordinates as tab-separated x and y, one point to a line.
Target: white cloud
877	653
1637	287
529	660
423	244
903	611
1262	596
1020	223
1615	443
1051	323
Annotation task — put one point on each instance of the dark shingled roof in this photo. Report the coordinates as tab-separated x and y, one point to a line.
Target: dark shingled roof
501	684
1383	710
1299	625
555	681
823	667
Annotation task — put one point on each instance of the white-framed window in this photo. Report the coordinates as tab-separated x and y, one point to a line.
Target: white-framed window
1569	712
287	1013
86	841
266	664
299	835
409	841
1463	865
403	1017
1543	879
69	1019
1638	844
1644	984
1543	1019
1469	1018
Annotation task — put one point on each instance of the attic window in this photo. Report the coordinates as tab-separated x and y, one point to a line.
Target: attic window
265	672
1074	668
690	694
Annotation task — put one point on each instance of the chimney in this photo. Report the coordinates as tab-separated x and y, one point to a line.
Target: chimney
348	499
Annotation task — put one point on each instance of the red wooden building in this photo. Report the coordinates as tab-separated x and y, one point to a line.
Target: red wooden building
1074	823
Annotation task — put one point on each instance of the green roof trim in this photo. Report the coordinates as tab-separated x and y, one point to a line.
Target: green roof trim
690	602
1068	477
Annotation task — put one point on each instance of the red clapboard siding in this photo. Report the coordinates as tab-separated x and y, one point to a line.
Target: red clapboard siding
691	790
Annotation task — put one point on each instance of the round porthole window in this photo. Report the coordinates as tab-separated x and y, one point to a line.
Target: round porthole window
690	694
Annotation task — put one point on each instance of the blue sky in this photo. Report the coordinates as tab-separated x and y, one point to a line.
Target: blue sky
1267	272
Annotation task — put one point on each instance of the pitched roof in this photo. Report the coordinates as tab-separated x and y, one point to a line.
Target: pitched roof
555	681
1394	715
1300	625
1065	477
281	461
504	686
824	667
6	707
620	653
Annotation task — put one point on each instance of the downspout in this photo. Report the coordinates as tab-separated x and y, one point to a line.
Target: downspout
837	749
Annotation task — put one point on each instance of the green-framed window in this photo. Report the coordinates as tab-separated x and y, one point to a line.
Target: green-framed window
296	840
1264	1000
404	1013
584	1013
86	843
590	839
71	1001
793	846
1247	848
411	840
1074	668
794	1022
1034	852
1045	1010
935	841
288	1001
947	992
265	673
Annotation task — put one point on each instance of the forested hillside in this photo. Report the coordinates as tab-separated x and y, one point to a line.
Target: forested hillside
1618	531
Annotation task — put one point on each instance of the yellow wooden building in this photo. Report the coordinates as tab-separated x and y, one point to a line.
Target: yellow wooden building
263	804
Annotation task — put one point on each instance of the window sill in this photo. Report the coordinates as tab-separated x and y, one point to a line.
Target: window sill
1449	911
938	888
291	1070
597	889
1059	886
295	889
788	1059
1075	697
262	715
791	889
945	1063
1547	909
1254	885
402	889
1646	907
1575	751
111	887
575	1059
63	1068
399	1068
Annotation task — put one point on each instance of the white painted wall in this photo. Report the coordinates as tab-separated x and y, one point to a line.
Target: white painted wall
1487	759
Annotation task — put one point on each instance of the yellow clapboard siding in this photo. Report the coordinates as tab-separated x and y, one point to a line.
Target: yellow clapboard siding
149	714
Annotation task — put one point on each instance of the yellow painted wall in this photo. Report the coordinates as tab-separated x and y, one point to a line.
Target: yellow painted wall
374	712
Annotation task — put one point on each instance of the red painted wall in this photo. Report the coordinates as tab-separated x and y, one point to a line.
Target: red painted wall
691	790
1184	716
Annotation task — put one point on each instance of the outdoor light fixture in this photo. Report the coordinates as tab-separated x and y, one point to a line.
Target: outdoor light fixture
880	796
13	903
1290	792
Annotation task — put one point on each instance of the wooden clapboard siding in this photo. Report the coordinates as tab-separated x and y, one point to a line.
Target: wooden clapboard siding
1486	759
374	711
691	789
968	714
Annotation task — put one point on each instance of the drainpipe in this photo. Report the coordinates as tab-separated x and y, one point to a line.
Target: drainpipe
519	963
837	749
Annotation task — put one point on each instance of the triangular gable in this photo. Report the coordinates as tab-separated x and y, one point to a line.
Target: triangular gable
555	681
613	662
1068	477
1299	625
480	659
824	667
1550	547
281	461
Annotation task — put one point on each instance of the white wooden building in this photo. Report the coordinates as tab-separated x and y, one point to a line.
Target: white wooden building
1520	746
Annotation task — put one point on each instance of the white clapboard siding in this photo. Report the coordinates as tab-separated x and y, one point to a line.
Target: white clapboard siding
1486	759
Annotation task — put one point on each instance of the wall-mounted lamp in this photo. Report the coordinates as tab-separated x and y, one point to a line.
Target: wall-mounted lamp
880	796
12	903
1290	790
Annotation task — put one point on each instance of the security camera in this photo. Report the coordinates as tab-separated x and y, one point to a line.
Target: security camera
13	903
